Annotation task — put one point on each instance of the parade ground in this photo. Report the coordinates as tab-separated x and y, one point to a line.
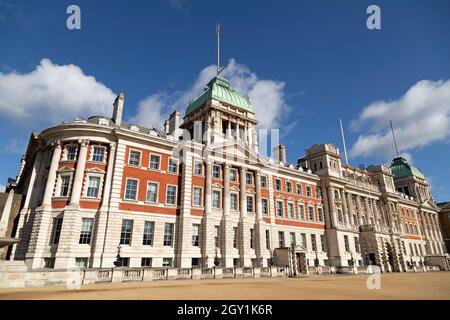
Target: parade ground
430	285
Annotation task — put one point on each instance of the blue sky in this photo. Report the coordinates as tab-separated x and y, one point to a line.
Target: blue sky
316	61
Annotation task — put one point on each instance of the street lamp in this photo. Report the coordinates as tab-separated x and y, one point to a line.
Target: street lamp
216	259
118	262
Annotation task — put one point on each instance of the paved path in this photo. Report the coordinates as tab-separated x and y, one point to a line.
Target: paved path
430	285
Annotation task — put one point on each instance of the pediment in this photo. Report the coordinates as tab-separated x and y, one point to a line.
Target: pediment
428	204
235	151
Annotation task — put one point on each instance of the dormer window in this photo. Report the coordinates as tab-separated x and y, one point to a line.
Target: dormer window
103	122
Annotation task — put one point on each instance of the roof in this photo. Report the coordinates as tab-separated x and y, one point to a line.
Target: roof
444	205
219	88
400	167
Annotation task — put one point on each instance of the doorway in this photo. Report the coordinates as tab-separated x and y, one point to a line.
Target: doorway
301	262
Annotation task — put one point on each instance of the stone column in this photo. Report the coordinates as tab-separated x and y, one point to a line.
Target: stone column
259	225
42	223
208	182
350	208
228	133
6	213
244	229
359	209
79	174
101	221
344	208
258	203
226	231
332	206
51	178
243	194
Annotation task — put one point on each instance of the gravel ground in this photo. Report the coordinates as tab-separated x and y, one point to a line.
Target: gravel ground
430	285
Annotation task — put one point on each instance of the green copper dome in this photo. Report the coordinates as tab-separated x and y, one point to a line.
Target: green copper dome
219	89
401	168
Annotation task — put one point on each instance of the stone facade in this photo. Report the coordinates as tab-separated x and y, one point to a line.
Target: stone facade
98	188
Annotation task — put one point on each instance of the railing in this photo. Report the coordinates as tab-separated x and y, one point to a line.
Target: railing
184	273
228	273
133	275
265	272
104	275
207	272
159	273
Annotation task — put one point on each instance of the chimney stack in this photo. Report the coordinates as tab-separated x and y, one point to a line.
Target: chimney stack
174	122
279	153
118	109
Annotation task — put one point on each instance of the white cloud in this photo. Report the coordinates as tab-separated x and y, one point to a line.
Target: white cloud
2	188
12	146
50	94
420	117
266	96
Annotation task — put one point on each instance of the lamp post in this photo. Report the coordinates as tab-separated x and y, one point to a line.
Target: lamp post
118	263
216	258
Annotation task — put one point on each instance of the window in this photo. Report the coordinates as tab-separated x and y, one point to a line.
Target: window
346	244
134	158
173	166
279	208
320	214
168	234
152	192
81	262
281	239
292	239
263	182
195	262
339	215
288	186
216	199
93	187
267	239
99	154
216	172
149	227
415	229
233	175
235	235
127	230
234	201
125	262
301	211
252	239
171	195
411	252
197	201
299	188
146	262
56	230
249	203
216	237
323	243
64	191
236	262
290	207
195	235
319	193
264	206
131	189
86	231
313	242
71	152
154	161
278	184
167	262
357	244
249	178
304	244
415	249
198	168
311	213
308	191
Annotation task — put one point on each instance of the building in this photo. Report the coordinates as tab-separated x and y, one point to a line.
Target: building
199	193
444	217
